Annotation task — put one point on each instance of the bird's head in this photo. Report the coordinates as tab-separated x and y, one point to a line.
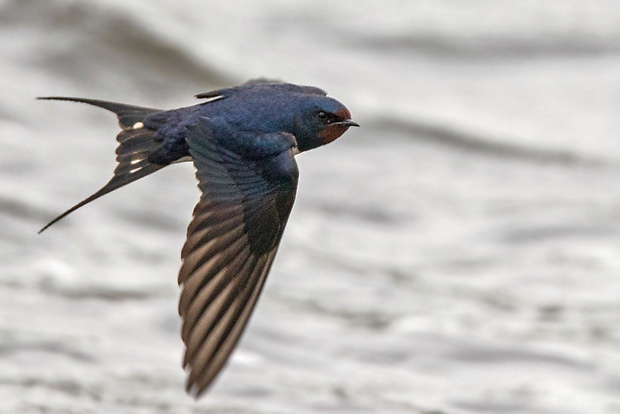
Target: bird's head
322	120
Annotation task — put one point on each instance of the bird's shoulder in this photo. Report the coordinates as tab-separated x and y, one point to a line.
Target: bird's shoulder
214	144
251	144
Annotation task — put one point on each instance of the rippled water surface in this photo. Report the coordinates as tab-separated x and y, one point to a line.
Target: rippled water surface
457	254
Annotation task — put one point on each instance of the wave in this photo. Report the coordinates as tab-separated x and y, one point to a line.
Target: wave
494	48
98	46
458	138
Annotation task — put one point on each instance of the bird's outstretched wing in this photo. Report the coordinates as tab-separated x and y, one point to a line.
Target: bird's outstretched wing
231	243
136	143
262	83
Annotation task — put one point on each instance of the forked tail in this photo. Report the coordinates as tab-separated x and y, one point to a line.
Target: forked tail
136	143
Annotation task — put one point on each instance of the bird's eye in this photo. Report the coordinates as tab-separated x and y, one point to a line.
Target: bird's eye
326	117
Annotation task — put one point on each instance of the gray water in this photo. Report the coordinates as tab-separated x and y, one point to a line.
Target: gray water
457	254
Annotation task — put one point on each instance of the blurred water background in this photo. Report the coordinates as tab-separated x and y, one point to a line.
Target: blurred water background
459	253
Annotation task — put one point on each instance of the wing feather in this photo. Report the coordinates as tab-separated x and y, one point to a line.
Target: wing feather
231	243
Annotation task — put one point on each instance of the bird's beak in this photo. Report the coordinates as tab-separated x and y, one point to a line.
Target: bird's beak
349	123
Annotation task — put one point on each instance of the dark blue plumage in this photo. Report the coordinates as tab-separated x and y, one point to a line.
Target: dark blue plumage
242	142
250	108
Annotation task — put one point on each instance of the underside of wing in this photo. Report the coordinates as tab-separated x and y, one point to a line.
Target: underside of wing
231	244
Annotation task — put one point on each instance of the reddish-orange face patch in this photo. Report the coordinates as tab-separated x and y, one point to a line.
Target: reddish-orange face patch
344	114
331	132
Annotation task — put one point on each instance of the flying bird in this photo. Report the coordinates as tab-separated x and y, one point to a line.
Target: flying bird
242	141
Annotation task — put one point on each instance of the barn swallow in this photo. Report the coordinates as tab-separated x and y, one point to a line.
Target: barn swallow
242	142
